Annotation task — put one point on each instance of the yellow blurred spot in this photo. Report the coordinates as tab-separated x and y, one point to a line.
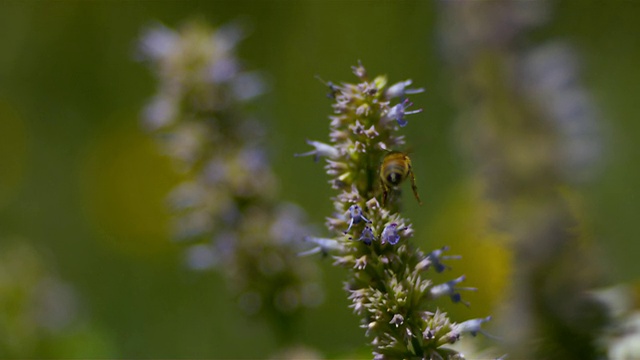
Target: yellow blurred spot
124	185
13	151
466	223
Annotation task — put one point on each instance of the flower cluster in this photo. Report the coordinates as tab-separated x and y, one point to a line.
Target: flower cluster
226	208
389	283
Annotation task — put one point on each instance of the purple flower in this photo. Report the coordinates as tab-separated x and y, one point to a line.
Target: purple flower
321	149
434	258
355	212
390	234
449	288
159	42
400	89
398	112
324	246
397	320
367	236
473	326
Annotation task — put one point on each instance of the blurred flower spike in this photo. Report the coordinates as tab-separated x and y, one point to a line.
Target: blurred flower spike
388	281
38	308
531	131
226	209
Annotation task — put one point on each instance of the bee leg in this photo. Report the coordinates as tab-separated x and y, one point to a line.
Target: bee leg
385	192
414	187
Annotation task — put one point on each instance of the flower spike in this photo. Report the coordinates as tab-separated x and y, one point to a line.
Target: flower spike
387	284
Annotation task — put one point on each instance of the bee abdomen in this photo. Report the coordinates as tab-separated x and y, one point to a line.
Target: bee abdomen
395	174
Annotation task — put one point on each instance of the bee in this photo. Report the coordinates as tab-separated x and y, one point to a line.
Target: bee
395	168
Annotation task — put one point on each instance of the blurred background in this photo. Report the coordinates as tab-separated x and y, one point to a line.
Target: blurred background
84	227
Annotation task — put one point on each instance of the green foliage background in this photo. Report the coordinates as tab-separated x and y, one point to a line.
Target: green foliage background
80	179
